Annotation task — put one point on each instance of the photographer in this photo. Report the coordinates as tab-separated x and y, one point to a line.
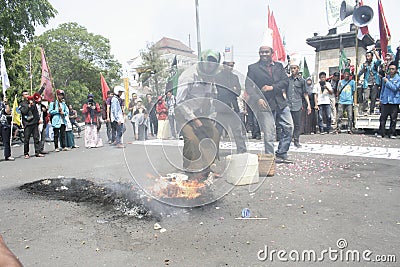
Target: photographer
91	112
323	90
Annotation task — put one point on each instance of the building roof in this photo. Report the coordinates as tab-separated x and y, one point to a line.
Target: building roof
332	41
171	46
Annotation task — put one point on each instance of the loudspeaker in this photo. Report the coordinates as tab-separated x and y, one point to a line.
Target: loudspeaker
362	16
345	10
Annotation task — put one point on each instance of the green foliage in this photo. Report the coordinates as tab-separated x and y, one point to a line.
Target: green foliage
18	19
154	69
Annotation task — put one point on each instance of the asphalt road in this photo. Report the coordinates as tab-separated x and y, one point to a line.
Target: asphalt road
324	201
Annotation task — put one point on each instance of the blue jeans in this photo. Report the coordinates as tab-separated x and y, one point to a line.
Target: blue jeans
324	109
119	130
267	124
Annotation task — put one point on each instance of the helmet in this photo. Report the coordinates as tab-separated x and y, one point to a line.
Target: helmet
209	62
118	88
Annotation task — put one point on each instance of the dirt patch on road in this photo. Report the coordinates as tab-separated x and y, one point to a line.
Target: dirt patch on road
123	198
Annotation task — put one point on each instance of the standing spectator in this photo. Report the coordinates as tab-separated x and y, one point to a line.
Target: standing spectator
58	109
43	120
69	135
228	91
91	112
131	110
334	97
30	120
170	101
322	91
390	100
311	120
105	114
295	93
73	115
140	118
117	117
346	91
371	81
162	117
151	109
5	124
266	84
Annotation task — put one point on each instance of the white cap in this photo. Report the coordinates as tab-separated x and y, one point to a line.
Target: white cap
267	38
295	59
228	54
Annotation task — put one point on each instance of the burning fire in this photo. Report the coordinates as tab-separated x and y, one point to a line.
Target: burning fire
176	185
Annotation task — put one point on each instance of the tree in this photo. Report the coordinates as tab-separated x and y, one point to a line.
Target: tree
18	19
153	69
75	58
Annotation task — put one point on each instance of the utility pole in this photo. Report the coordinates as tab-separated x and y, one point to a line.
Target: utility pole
198	30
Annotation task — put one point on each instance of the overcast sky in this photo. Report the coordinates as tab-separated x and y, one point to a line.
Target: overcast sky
130	24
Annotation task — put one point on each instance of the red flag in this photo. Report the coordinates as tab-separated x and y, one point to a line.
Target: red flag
362	30
104	87
383	29
277	45
46	78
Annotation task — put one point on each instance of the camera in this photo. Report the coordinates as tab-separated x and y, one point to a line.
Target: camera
382	73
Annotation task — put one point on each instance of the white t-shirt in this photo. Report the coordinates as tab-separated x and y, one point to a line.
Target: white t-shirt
323	96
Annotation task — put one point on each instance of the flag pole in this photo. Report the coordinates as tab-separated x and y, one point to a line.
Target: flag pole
356	67
198	30
30	69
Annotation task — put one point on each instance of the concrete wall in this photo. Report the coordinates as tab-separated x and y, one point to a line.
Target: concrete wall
330	58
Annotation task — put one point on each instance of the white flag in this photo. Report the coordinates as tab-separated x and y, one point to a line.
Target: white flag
4	76
333	13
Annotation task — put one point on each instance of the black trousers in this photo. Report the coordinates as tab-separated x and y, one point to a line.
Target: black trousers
296	116
28	131
254	127
5	131
59	133
387	110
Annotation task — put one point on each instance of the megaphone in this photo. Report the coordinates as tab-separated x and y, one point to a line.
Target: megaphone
345	10
362	16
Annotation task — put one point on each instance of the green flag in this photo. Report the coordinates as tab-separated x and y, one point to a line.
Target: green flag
342	61
306	71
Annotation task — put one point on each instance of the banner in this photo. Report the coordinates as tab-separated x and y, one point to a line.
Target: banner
306	71
46	79
4	76
333	13
104	87
15	113
277	44
383	29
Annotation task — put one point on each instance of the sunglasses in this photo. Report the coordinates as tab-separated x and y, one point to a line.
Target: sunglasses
264	51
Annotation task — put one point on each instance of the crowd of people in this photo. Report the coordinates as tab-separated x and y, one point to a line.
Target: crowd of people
276	101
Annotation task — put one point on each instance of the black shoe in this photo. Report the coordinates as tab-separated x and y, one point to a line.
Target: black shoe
43	152
297	144
283	160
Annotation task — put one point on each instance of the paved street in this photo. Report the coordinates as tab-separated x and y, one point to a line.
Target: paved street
343	191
